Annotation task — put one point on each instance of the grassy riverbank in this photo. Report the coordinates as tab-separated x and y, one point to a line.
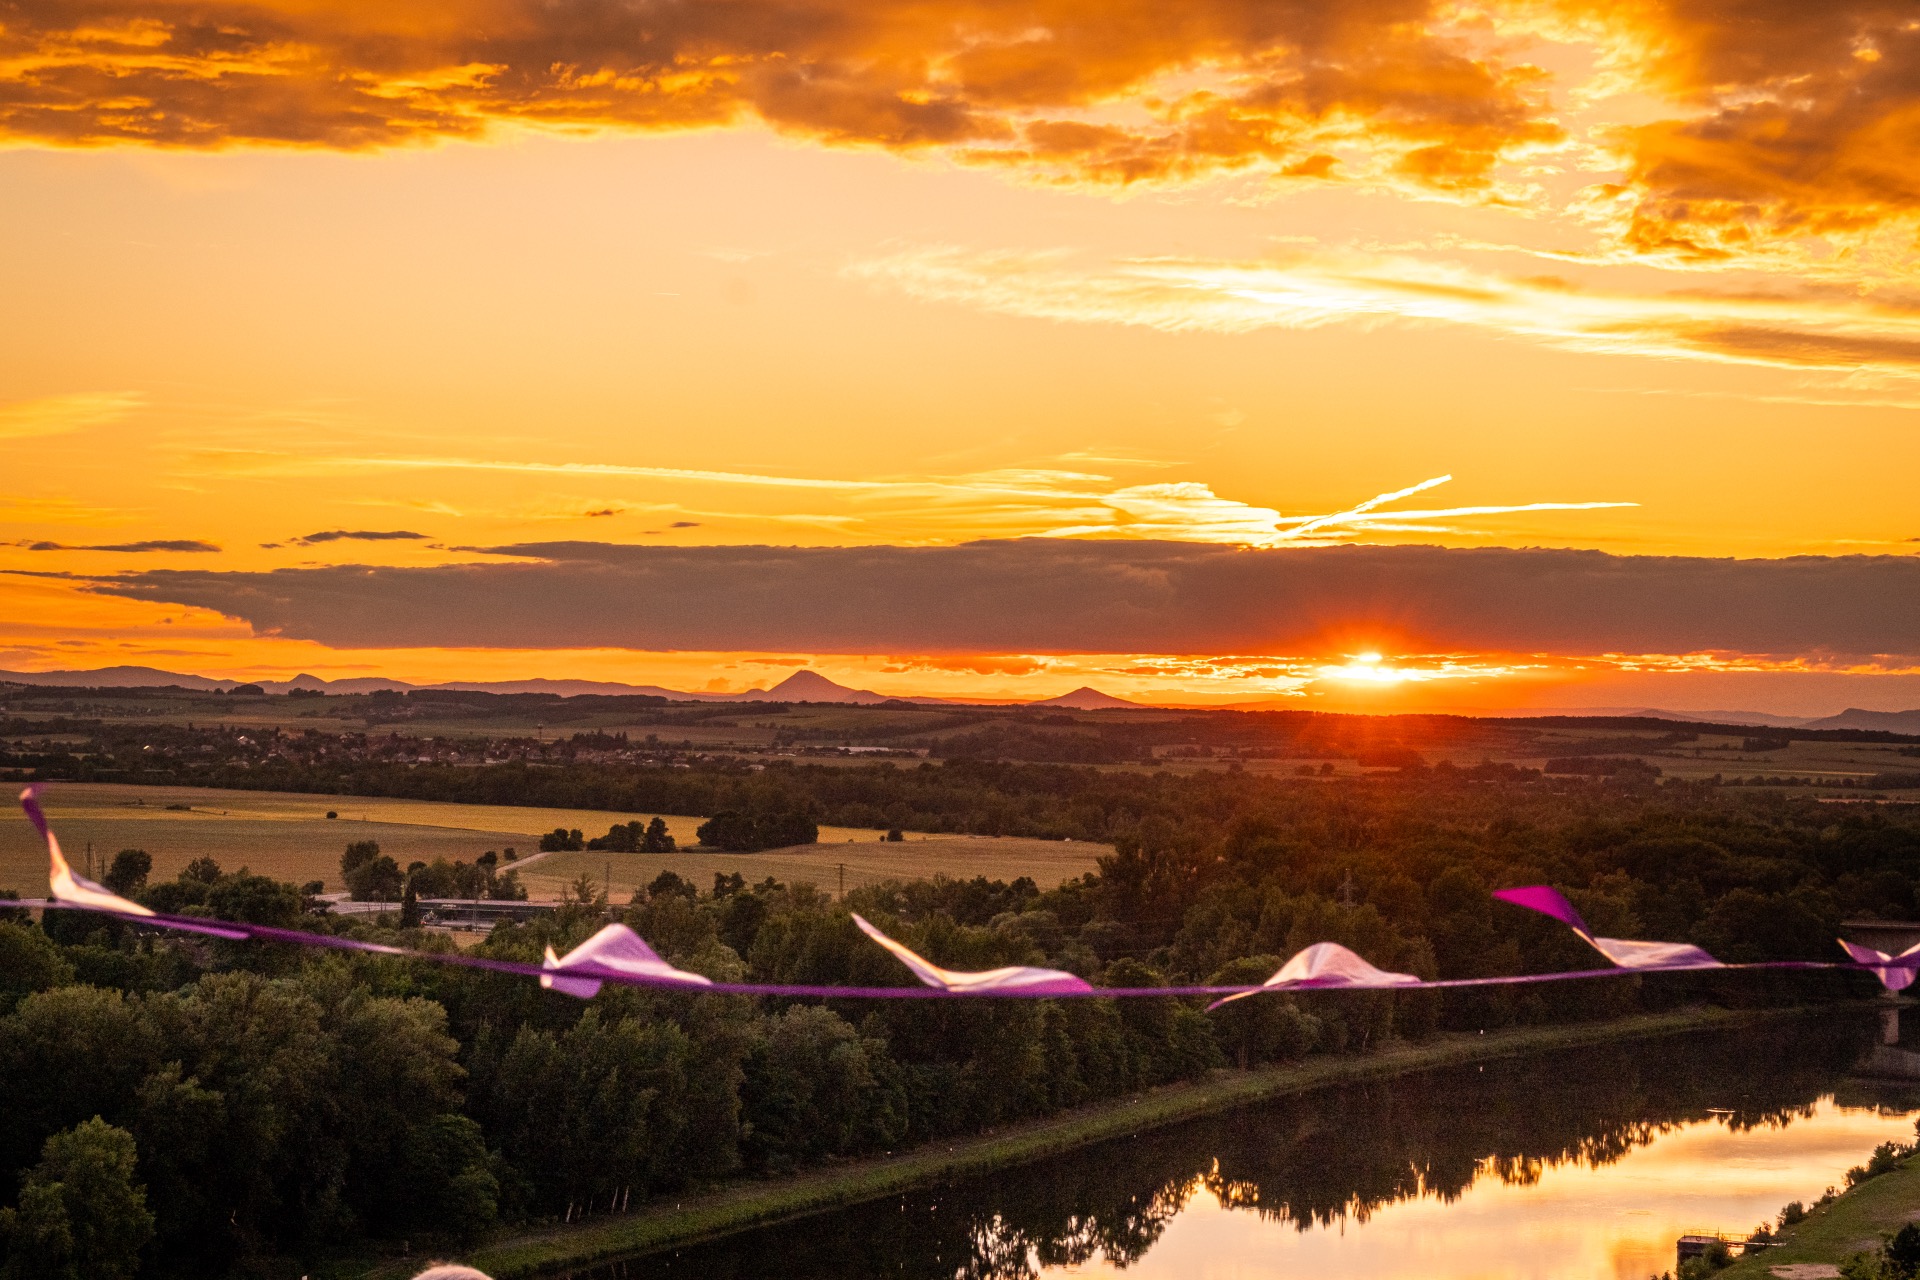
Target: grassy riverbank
1852	1224
754	1203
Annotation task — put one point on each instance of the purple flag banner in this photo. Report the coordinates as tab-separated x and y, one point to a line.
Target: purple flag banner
1626	953
1324	966
1893	975
1020	978
617	953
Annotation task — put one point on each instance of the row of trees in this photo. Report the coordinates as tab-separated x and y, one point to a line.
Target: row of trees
976	796
750	832
729	829
634	837
372	876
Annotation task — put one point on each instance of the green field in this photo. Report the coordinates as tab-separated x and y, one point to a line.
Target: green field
1181	741
1855	1223
867	861
1817	761
290	837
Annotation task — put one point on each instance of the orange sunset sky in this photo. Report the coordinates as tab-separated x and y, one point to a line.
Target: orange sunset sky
1367	354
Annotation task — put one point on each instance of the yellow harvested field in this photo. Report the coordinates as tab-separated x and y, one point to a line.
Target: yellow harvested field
867	861
288	836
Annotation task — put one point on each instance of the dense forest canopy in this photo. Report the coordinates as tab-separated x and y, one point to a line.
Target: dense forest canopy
264	1101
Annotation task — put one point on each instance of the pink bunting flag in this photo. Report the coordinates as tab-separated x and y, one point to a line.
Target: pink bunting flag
616	953
68	885
1624	953
70	889
1019	978
1895	972
1326	966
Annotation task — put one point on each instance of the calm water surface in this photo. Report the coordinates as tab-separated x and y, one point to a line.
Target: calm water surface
1575	1166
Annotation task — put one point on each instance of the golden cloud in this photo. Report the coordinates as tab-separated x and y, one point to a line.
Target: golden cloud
1782	131
1119	92
1811	329
1800	132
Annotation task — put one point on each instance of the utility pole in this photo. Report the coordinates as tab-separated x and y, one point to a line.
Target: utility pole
1346	888
843	882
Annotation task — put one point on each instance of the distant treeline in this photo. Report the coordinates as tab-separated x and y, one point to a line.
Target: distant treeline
984	797
977	796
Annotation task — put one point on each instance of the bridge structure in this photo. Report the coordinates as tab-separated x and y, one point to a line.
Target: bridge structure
1890	936
1887	1059
487	911
1698	1244
473	912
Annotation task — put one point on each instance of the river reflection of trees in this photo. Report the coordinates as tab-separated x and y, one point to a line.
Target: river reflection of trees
1313	1160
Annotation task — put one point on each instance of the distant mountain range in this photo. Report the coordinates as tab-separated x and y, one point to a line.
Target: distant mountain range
1855	718
811	686
114	678
801	686
1086	698
1851	718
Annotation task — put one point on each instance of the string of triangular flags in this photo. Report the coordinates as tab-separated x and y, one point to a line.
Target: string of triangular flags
617	954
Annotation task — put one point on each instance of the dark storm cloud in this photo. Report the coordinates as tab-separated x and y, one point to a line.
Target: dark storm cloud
135	548
357	535
1056	596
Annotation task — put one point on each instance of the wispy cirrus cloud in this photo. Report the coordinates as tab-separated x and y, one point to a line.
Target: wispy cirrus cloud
1008	502
24	509
1193	512
256	462
58	415
1818	330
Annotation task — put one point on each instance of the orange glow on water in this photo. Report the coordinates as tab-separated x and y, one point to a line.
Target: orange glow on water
1577	1221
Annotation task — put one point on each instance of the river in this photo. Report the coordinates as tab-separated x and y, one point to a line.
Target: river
1583	1165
